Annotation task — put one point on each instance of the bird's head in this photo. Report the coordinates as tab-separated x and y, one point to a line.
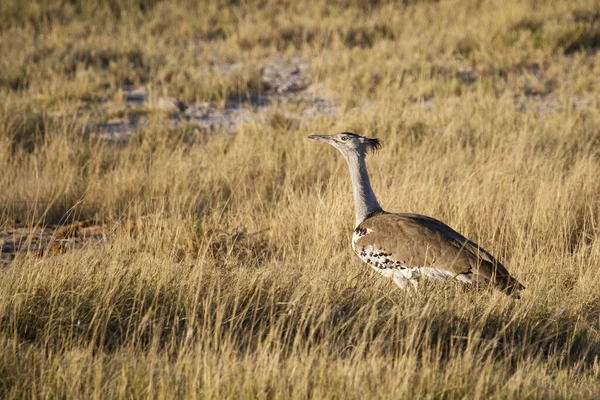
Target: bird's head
349	143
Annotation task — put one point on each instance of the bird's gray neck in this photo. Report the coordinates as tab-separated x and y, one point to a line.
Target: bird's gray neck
365	201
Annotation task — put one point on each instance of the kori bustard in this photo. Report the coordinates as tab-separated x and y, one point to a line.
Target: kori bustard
410	247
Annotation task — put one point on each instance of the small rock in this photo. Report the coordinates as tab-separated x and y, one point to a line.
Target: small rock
137	96
171	104
286	76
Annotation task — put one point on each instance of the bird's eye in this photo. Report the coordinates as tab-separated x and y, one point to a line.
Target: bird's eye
344	138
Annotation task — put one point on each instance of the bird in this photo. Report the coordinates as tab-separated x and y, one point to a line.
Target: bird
409	248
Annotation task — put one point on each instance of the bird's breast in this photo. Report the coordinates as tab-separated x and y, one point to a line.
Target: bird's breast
358	233
371	253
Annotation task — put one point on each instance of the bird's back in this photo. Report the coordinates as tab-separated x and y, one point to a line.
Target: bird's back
418	241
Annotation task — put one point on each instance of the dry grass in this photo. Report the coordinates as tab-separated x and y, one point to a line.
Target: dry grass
226	269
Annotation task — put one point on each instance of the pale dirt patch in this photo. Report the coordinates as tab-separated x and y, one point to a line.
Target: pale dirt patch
286	82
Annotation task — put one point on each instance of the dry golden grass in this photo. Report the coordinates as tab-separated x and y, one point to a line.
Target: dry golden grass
225	268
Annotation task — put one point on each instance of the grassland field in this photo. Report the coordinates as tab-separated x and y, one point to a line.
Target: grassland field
168	231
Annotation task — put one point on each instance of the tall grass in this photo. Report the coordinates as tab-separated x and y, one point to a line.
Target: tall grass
226	269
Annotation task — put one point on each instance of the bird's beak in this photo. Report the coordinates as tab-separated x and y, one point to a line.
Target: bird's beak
323	138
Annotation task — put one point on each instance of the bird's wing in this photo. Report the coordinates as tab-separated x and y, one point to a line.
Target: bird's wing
419	241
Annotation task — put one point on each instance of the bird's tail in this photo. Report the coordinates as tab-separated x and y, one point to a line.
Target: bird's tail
511	286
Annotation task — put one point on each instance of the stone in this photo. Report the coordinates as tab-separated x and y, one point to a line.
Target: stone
171	104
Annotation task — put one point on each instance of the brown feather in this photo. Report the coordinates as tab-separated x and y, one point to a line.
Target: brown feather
419	241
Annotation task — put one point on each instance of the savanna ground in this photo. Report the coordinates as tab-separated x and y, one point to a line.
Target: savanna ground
187	260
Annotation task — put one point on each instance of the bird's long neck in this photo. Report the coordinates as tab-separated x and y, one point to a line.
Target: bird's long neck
365	201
